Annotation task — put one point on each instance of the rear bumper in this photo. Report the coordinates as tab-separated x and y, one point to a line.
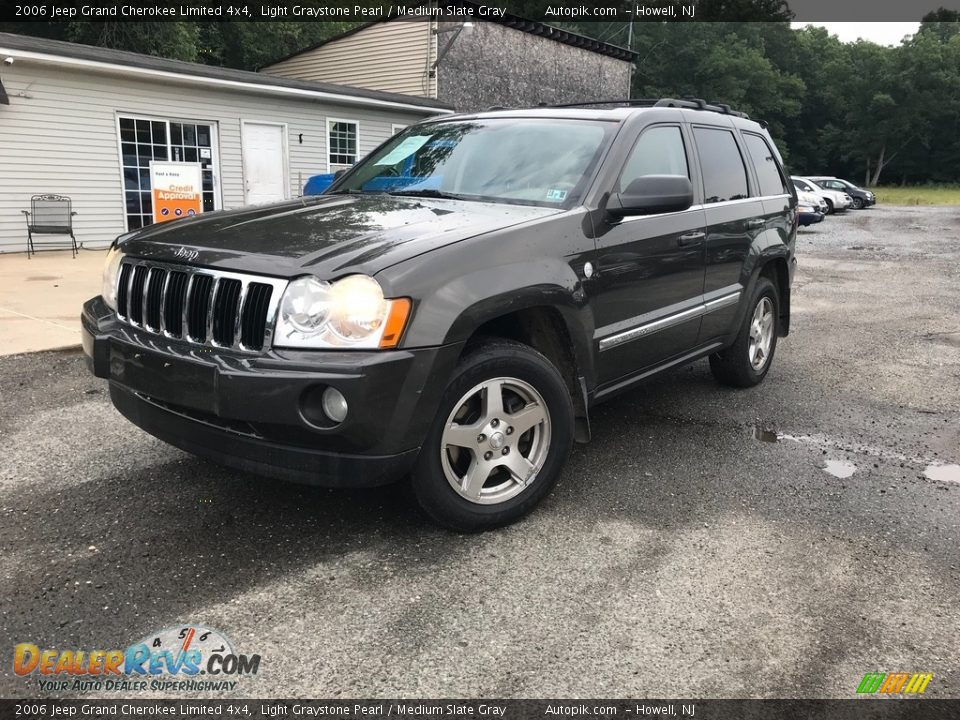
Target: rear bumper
263	413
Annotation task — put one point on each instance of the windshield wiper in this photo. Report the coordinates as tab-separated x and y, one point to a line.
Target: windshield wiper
427	194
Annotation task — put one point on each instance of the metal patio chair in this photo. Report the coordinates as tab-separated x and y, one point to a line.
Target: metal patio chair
50	215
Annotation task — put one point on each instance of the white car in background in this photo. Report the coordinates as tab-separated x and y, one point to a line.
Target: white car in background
836	200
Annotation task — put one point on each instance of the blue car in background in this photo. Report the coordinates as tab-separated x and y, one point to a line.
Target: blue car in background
318	183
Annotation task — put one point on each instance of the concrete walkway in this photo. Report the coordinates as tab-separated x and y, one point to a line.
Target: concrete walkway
40	298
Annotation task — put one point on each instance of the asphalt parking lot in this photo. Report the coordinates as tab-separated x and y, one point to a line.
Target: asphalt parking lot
698	547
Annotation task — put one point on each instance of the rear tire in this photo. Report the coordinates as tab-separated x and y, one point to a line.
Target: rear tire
747	361
499	441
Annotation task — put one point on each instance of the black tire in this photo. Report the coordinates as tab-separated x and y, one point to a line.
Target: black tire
830	209
857	203
732	366
494	358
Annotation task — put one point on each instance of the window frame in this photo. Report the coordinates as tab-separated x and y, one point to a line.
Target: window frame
652	126
786	182
748	178
214	126
356	124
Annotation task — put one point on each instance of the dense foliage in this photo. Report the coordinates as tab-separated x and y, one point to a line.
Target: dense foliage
859	110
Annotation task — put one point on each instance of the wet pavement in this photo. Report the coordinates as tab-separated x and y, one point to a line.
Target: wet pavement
699	546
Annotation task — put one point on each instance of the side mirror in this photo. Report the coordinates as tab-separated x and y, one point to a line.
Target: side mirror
652	194
339	173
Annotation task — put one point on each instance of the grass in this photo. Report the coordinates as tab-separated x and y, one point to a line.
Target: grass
920	195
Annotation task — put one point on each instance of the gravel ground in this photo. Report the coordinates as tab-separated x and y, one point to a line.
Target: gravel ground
697	548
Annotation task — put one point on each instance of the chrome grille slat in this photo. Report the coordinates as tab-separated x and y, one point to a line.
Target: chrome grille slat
238	319
200	306
212	310
163	302
185	314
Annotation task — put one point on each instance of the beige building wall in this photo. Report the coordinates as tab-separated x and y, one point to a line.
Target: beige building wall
391	56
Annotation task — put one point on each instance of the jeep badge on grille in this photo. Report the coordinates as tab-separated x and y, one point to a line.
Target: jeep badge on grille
188	255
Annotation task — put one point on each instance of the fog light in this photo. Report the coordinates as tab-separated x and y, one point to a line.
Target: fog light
334	405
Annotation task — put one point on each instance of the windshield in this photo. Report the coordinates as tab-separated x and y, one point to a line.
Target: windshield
525	161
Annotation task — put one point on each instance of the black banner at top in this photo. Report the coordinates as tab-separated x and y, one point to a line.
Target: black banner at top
587	11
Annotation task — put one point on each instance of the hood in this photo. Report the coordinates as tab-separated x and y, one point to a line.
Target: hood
326	235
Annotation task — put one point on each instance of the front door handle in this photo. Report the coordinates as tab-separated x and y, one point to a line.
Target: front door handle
691	238
754	223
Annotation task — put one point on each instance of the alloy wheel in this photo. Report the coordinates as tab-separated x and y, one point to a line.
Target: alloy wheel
495	440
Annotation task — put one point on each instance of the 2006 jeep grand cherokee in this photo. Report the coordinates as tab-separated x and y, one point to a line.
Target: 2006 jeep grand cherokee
455	304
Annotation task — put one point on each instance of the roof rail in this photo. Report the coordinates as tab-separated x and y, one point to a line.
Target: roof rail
700	104
690	103
635	102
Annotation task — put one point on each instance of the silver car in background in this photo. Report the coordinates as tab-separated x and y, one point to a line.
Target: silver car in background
836	200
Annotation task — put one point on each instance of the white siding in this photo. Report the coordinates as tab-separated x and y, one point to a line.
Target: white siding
59	135
389	56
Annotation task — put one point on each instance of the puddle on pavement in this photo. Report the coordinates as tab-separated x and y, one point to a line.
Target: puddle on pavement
943	473
840	468
763	435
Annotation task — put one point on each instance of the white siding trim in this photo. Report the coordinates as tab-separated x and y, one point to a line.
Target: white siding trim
200	80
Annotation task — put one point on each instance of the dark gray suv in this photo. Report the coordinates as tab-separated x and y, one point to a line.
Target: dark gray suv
452	307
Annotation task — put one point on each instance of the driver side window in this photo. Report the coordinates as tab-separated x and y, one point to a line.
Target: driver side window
659	151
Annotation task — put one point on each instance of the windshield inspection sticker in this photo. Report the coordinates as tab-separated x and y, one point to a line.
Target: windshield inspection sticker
404	150
555	195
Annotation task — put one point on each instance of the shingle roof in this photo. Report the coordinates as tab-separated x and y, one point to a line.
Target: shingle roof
122	58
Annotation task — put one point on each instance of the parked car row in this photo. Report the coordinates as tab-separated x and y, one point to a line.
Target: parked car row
823	195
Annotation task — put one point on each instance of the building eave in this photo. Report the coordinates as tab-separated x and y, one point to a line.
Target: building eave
256	84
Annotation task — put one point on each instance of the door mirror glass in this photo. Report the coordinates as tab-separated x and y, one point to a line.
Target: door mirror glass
652	194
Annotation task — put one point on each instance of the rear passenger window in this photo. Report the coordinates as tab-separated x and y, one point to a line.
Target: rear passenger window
659	151
768	173
724	174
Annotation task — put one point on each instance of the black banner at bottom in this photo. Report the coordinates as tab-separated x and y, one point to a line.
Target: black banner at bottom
107	709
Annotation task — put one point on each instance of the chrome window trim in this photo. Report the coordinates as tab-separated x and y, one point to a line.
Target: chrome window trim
705	206
640	331
192	271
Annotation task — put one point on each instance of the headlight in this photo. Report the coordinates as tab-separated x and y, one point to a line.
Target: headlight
349	313
111	273
805	209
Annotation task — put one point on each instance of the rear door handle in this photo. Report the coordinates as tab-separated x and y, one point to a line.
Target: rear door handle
691	238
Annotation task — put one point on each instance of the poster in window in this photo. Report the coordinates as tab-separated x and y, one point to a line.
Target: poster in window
177	190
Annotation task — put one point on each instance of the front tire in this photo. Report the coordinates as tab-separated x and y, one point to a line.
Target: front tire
858	203
747	361
830	209
499	441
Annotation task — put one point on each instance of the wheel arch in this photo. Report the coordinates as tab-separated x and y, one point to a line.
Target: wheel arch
555	332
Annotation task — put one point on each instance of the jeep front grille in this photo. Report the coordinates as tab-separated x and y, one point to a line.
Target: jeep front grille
199	305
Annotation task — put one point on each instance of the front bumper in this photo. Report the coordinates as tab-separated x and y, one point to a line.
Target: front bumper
262	413
809	218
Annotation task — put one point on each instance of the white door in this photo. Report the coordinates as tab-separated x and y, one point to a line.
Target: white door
264	165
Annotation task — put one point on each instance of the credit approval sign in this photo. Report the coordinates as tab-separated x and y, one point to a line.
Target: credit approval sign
177	190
